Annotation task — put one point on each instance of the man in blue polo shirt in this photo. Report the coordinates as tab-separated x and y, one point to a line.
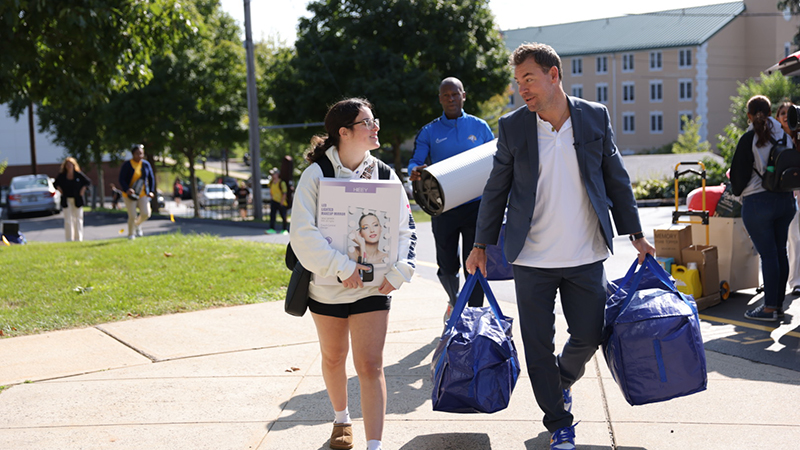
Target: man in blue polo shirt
450	134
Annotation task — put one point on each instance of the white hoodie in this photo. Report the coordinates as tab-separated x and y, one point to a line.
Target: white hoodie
316	254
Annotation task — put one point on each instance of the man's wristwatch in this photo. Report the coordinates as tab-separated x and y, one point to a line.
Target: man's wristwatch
635	236
480	246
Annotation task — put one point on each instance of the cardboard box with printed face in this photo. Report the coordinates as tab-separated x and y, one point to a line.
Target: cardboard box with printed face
706	258
670	240
361	218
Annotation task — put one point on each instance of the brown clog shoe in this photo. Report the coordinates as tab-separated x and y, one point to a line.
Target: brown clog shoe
342	436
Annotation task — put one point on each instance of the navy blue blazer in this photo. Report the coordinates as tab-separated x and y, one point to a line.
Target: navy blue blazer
515	175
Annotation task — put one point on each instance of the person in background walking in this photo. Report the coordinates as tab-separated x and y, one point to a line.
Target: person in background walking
242	198
72	184
782	115
138	184
766	215
277	203
177	191
452	133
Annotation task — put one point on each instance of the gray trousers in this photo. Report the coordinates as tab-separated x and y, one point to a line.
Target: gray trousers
583	299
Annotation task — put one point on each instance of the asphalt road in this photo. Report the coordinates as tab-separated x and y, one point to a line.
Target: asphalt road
725	330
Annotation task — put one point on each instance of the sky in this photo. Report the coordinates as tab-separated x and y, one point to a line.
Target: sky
279	17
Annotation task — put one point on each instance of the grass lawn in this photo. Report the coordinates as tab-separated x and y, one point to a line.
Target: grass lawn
52	286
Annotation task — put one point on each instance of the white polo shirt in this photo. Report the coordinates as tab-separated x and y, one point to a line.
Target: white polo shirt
565	230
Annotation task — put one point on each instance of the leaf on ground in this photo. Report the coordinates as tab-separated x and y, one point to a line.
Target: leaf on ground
167	254
292	369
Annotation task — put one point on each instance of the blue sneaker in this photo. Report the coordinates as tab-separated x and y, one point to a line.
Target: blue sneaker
567	399
563	438
759	314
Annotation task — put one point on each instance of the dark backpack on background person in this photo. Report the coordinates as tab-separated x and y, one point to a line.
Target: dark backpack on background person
782	173
297	292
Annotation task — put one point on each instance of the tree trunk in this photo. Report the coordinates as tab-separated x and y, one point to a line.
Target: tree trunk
99	185
193	177
154	200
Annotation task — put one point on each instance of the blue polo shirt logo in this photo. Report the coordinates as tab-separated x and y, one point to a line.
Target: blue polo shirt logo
472	138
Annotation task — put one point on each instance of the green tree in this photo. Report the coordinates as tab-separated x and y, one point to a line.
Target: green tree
276	143
194	102
196	99
775	87
393	52
64	53
689	140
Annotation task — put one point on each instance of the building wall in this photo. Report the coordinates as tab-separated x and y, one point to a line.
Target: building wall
15	143
744	48
15	149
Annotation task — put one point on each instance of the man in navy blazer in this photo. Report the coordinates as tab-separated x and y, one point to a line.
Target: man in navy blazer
558	172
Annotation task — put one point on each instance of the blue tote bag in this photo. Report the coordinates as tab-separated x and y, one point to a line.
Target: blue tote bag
475	365
497	265
653	345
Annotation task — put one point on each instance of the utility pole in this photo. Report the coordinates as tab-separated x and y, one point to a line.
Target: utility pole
32	135
252	108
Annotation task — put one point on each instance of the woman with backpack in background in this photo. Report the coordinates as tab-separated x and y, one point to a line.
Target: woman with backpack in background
766	214
349	313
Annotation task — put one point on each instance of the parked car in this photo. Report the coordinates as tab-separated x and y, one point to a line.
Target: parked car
231	182
160	196
187	188
33	193
217	195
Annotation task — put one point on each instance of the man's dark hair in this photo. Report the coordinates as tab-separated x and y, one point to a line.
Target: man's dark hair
544	55
135	147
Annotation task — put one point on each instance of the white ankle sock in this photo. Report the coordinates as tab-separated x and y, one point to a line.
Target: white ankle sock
374	445
342	416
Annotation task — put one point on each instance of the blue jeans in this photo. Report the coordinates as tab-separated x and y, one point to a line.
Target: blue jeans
766	216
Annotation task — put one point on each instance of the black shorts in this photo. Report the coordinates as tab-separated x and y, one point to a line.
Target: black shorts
344	310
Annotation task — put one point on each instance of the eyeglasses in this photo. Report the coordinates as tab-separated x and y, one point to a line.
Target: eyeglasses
369	123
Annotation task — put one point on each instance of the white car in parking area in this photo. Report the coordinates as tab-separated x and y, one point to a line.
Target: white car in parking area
217	195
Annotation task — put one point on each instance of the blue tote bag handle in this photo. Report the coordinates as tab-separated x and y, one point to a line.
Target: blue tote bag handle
659	273
463	299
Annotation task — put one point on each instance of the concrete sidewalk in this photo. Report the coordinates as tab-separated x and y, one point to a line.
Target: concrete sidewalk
248	377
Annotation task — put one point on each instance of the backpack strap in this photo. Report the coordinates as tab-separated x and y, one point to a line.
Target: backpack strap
384	171
327	166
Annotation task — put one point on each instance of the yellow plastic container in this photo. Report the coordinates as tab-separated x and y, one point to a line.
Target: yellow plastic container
687	280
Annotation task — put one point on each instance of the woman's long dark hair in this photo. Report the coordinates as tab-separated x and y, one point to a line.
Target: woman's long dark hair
342	114
760	109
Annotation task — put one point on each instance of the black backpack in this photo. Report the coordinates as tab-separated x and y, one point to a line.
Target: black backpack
384	173
782	173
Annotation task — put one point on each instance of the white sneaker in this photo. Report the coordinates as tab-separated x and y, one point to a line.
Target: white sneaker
139	231
131	237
